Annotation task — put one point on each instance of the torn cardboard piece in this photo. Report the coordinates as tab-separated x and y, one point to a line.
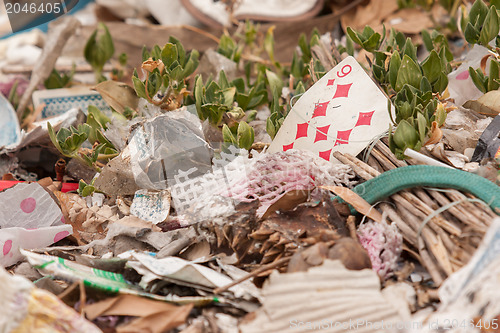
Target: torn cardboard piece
328	296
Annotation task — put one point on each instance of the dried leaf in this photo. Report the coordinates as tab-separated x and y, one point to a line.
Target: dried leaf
488	104
435	135
118	95
356	201
288	201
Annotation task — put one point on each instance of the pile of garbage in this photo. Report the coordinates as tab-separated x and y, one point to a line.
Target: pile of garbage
220	186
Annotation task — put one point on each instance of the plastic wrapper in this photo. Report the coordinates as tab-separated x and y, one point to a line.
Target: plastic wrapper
161	147
26	308
10	132
461	87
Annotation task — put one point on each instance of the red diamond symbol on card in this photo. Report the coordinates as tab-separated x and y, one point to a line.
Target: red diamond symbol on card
343	137
325	154
302	130
365	118
321	133
287	147
320	109
342	90
330	82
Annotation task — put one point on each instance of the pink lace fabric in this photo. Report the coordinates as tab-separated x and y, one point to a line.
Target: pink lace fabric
273	175
384	244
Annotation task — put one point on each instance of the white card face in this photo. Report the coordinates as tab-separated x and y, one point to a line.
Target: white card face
341	112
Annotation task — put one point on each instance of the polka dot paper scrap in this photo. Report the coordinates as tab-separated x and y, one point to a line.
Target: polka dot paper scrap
12	239
28	206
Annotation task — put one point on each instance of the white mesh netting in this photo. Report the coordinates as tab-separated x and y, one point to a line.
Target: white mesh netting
266	177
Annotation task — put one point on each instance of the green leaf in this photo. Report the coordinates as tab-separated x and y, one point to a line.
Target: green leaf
478	12
409	73
441	83
123	58
494	75
251	115
88	190
215	112
99	49
229	94
432	67
239	83
426	37
394	65
226	46
269	43
270	128
256	100
191	64
304	47
372	43
355	37
227	135
349	46
440	115
245	135
490	27
275	83
139	87
471	34
169	54
223	81
156	52
478	79
154	83
400	39
300	89
99	116
54	138
198	96
181	52
410	49
176	73
422	126
145	53
425	85
405	136
81	186
104	140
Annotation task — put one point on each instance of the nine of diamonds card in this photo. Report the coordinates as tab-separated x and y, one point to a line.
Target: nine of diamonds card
342	112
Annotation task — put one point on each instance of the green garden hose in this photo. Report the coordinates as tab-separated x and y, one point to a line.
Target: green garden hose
398	179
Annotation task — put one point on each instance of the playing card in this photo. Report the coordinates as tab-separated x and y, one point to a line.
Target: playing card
59	101
343	112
